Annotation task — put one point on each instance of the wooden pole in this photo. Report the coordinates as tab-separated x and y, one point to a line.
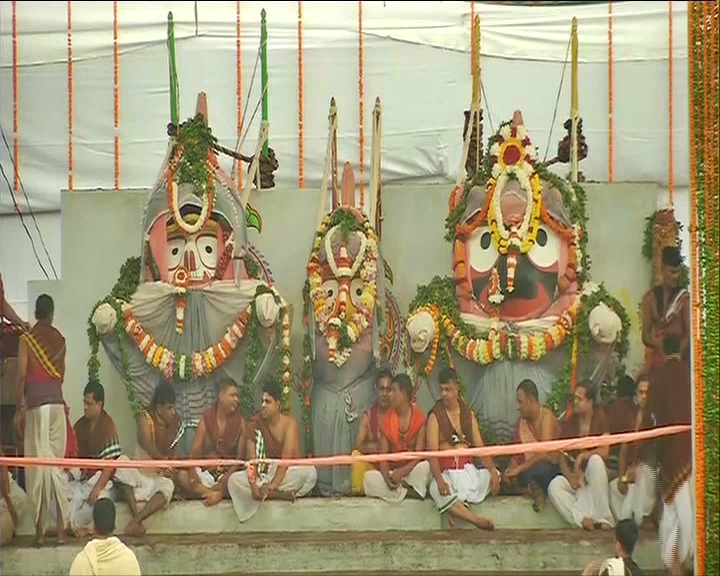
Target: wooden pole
574	112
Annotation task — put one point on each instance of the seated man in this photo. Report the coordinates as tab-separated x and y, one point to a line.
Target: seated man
632	493
271	435
105	555
456	481
97	438
402	429
368	440
12	505
580	493
537	423
221	435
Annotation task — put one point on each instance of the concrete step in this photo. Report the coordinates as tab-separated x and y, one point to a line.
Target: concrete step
330	515
388	552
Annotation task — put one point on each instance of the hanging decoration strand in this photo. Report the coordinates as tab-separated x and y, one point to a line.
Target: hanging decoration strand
116	95
71	151
15	101
611	98
238	86
301	100
473	65
671	151
361	98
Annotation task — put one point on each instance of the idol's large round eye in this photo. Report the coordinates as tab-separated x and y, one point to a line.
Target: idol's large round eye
175	251
482	252
545	253
357	287
207	250
331	288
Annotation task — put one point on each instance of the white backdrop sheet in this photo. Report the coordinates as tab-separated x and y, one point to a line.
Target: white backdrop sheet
416	59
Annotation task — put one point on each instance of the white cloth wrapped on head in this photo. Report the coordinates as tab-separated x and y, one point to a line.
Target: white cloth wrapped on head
421	328
267	309
604	324
104	319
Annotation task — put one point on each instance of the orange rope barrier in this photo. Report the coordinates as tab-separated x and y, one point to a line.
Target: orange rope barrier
116	95
611	98
361	96
238	85
566	445
15	101
71	151
671	154
301	101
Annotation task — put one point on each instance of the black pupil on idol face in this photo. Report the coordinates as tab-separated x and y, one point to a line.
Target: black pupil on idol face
330	292
175	251
358	291
485	240
542	237
208	249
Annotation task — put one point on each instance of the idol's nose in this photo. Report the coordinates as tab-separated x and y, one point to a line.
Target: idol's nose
190	260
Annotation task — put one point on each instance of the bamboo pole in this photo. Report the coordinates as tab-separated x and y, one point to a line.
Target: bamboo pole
574	111
264	75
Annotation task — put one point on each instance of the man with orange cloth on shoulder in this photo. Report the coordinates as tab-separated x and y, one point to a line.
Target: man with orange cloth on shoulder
402	429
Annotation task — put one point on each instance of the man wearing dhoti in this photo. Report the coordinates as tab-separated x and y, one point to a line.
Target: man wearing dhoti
368	438
41	370
271	435
105	554
666	311
670	401
97	438
537	423
632	493
580	493
402	429
221	435
456	481
12	505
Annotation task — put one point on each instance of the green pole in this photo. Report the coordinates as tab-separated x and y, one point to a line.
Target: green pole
174	88
264	73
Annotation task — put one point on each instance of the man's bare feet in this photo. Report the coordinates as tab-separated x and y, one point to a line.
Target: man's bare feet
134	528
280	495
484	523
588	524
213	497
604	526
451	520
538	497
39	536
62	537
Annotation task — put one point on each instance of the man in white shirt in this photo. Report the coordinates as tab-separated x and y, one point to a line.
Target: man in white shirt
105	555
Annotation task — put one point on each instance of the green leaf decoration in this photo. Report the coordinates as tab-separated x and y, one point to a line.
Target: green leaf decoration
253	219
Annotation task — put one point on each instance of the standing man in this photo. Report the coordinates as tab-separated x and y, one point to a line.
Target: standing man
368	438
271	435
580	493
457	482
40	403
537	423
402	429
666	311
670	401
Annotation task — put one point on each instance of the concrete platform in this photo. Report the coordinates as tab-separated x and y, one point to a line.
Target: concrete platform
391	553
331	515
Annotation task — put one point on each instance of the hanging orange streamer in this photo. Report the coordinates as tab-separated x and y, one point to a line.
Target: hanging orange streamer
238	85
71	151
671	152
611	99
301	101
116	95
15	101
361	97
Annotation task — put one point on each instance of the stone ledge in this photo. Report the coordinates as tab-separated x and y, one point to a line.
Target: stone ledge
390	552
330	515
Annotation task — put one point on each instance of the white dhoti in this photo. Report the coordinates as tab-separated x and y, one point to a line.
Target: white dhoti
639	500
591	500
145	483
80	515
469	485
677	530
45	437
18	499
206	478
418	479
299	480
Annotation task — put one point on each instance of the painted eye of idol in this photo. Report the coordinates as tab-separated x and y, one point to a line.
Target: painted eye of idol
331	288
482	252
545	253
207	250
175	250
356	291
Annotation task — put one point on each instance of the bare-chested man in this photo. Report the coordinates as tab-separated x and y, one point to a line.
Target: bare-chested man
271	435
581	493
666	311
632	493
402	429
220	434
457	482
368	438
537	423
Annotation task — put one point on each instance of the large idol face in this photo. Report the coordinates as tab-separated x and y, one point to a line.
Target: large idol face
193	254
